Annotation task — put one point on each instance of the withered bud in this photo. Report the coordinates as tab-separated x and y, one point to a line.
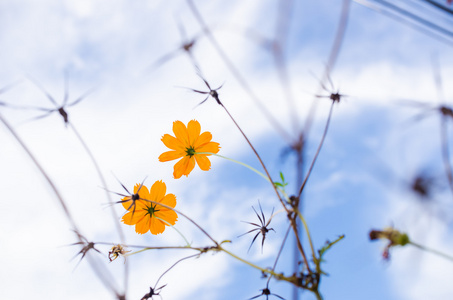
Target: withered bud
117	250
395	237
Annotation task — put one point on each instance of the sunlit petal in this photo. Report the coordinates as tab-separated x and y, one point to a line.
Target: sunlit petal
143	192
193	128
204	138
169	200
169	216
181	166
187	143
180	132
158	191
170	155
142	227
172	142
211	147
156	226
132	217
147	216
203	162
127	201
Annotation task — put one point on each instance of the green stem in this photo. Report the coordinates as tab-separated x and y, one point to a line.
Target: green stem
318	295
238	162
279	276
446	256
182	235
308	234
248	167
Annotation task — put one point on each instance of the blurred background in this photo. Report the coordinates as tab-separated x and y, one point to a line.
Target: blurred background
391	60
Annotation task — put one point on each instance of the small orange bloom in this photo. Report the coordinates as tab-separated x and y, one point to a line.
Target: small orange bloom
148	216
187	144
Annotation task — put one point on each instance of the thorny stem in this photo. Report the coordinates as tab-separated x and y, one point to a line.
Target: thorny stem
317	151
432	251
235	71
100	274
109	199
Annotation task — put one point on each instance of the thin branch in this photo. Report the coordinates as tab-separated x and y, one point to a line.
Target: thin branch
335	50
100	274
317	151
279	253
236	72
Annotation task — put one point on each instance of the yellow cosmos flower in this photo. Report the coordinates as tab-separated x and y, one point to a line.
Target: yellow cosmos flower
147	216
187	144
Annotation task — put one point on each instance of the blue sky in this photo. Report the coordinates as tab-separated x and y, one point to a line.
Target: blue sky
360	181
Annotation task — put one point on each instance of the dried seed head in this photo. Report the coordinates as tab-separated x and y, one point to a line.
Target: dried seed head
117	250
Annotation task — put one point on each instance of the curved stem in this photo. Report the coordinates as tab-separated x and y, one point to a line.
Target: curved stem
248	167
317	151
238	162
172	226
109	199
95	267
271	272
279	253
103	182
308	234
184	258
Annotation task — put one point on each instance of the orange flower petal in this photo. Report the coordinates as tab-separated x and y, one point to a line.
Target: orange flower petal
203	162
131	217
158	191
143	192
127	201
193	129
180	131
142	227
156	226
183	167
204	138
170	155
169	200
169	216
172	142
212	147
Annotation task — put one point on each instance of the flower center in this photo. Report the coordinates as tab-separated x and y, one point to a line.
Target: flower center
151	209
190	151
